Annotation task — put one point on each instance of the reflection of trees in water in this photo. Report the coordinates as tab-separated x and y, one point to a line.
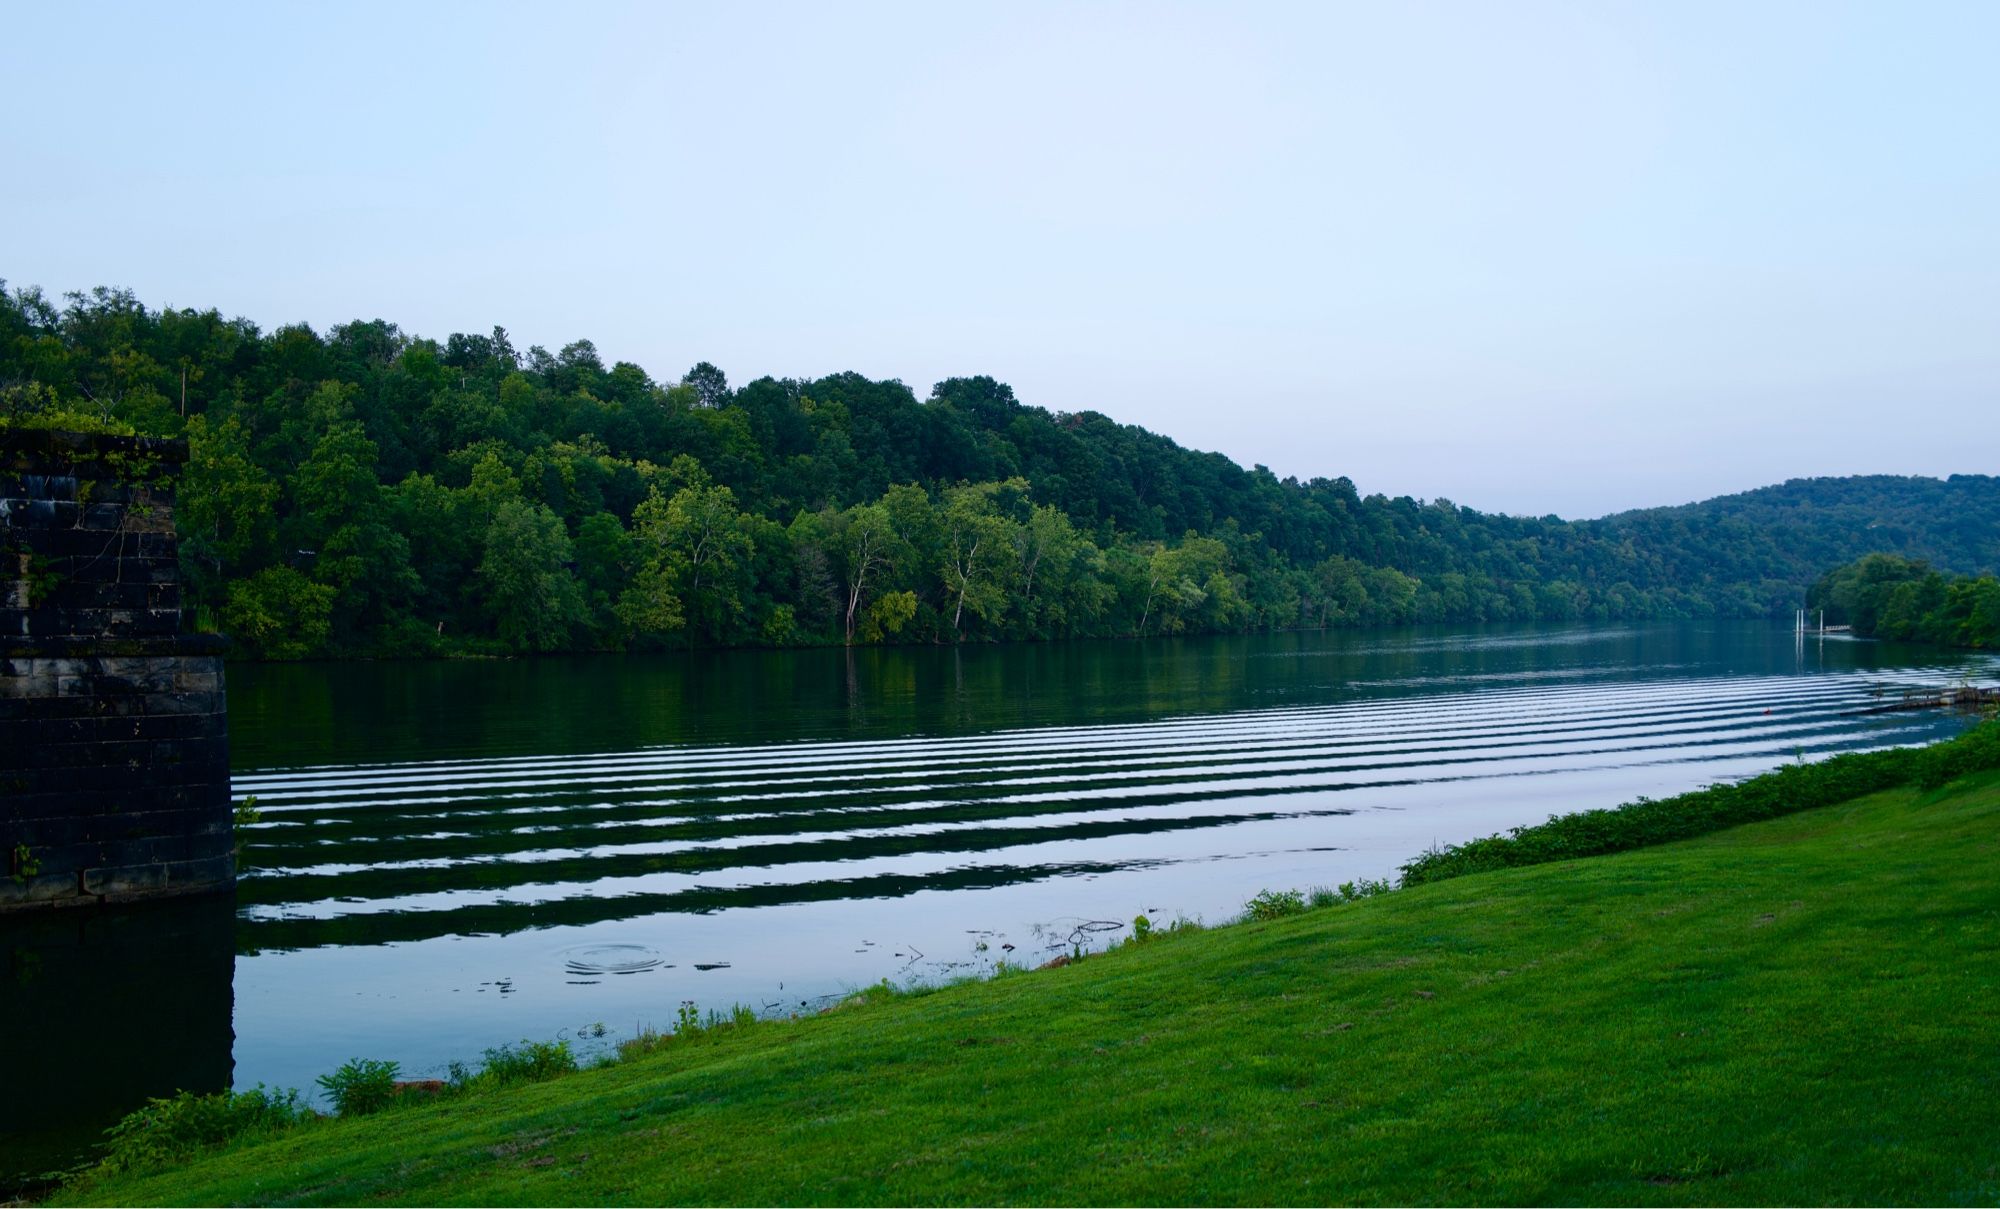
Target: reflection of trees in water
102	1008
317	713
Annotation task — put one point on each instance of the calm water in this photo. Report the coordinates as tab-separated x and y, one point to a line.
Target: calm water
457	855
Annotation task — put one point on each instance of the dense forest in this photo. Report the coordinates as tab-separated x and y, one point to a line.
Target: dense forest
366	491
1884	596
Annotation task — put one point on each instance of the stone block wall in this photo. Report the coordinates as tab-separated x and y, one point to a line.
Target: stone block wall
114	749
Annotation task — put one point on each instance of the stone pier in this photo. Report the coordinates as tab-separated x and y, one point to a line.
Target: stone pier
114	748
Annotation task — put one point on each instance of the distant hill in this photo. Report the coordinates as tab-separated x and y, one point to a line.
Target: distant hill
365	491
1797	530
1953	522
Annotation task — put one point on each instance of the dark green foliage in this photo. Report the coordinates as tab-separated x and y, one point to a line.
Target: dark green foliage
171	1129
368	492
278	613
1973	752
360	1086
1884	596
1651	821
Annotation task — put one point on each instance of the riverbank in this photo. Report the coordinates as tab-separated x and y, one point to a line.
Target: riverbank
1798	1010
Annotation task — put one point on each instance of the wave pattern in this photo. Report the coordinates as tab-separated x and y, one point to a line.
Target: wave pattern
371	853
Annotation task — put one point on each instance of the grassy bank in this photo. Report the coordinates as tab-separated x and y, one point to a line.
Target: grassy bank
1805	1009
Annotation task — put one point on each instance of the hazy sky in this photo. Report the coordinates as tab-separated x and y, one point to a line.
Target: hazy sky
1532	257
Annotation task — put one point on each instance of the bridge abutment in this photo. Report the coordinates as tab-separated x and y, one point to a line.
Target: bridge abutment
114	749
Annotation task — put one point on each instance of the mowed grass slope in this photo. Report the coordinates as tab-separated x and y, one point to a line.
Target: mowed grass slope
1801	1010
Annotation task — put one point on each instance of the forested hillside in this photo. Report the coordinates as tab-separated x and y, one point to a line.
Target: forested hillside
367	491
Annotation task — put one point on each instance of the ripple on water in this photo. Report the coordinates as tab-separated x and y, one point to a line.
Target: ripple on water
594	960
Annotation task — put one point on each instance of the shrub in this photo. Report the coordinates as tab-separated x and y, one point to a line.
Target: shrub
279	614
247	814
528	1062
1274	904
362	1085
1974	751
1348	892
170	1129
690	1024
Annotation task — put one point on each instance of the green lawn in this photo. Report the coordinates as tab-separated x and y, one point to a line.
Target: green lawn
1804	1010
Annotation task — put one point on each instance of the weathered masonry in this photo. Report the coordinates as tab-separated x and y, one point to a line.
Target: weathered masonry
114	749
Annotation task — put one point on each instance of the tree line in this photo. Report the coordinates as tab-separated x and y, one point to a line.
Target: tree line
1886	596
364	491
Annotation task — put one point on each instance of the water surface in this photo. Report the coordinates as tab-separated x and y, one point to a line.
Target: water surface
457	855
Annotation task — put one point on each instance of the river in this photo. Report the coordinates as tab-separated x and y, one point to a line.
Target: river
457	855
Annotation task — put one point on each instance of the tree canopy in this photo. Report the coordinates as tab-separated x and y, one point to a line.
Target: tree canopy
367	491
1885	596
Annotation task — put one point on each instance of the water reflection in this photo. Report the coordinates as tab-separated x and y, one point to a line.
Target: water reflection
293	715
103	1008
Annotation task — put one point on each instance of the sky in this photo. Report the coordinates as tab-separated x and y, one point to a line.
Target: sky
1530	257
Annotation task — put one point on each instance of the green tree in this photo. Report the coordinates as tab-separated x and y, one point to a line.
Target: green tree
868	546
888	614
445	532
226	505
288	426
697	541
710	386
605	558
1050	553
533	599
279	614
1188	587
1857	593
337	483
979	552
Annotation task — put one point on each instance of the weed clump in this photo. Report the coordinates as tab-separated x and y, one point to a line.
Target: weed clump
1274	904
361	1086
169	1129
1348	892
643	1042
689	1024
506	1065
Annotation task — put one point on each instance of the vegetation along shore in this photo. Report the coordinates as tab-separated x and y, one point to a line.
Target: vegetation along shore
1883	596
1776	991
368	492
